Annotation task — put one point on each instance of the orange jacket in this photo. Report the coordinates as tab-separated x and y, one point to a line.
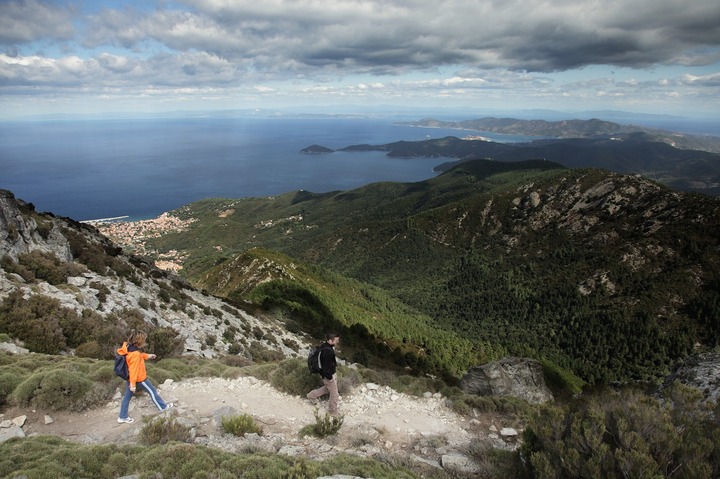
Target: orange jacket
136	363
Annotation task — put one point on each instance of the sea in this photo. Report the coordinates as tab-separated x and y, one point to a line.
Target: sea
140	168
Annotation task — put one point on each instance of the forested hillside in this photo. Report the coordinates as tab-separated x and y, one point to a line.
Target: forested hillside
612	277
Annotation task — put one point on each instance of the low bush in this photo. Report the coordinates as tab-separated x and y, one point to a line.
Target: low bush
292	376
8	382
241	425
260	353
54	390
162	430
325	425
35	321
40	457
235	361
625	434
303	469
91	349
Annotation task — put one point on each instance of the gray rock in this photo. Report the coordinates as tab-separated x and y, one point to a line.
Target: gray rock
11	432
13	348
700	371
460	463
291	451
19	421
224	411
516	377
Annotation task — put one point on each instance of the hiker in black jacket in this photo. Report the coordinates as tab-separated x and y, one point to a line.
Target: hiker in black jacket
329	378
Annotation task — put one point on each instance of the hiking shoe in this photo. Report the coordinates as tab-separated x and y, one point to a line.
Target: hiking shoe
168	406
127	420
313	401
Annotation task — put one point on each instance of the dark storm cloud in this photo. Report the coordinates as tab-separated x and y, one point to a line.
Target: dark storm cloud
523	35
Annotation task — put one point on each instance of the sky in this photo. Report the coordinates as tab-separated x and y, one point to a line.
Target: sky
104	56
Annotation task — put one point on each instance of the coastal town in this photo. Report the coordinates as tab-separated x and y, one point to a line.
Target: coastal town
132	236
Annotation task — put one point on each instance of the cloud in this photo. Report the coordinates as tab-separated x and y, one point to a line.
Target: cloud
390	37
24	21
461	49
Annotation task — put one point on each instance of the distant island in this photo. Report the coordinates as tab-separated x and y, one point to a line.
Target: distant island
683	162
593	128
316	150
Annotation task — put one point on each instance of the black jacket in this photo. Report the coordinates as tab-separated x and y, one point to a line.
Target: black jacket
327	361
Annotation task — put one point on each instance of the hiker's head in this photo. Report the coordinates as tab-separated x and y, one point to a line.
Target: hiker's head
332	338
137	338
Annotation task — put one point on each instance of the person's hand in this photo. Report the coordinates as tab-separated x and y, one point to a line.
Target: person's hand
152	356
132	388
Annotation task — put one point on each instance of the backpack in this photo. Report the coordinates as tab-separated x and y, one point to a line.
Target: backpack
121	368
314	365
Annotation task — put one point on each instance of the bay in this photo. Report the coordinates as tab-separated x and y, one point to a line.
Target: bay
87	169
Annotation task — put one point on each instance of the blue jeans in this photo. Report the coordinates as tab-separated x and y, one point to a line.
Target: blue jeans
147	386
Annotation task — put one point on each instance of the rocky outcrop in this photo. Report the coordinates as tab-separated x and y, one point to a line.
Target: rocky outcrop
21	233
516	377
210	327
701	371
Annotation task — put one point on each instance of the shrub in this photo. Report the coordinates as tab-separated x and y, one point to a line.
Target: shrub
324	426
166	342
292	376
8	382
55	390
46	266
303	469
162	430
102	291
241	425
260	353
36	321
235	361
91	349
348	379
144	303
624	434
234	349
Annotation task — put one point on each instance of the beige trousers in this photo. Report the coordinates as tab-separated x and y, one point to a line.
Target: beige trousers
329	387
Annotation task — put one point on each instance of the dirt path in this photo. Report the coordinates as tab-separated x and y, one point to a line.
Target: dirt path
395	419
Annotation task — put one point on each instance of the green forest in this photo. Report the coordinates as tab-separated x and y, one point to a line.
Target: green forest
610	277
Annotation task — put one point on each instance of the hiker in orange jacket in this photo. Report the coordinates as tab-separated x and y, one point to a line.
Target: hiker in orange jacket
138	376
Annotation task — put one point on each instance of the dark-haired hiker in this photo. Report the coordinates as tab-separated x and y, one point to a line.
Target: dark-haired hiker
328	363
138	376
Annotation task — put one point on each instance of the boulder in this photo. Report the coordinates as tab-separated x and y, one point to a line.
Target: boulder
517	377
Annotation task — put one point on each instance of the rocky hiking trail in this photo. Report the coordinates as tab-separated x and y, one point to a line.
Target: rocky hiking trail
377	420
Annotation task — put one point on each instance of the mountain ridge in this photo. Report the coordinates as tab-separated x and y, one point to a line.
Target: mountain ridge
506	257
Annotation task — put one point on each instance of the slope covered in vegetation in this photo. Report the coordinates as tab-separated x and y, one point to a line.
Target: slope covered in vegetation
610	276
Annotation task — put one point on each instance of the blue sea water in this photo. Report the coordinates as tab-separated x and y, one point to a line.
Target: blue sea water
140	168
90	169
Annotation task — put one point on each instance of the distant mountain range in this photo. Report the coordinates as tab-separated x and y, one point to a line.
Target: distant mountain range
683	162
592	128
